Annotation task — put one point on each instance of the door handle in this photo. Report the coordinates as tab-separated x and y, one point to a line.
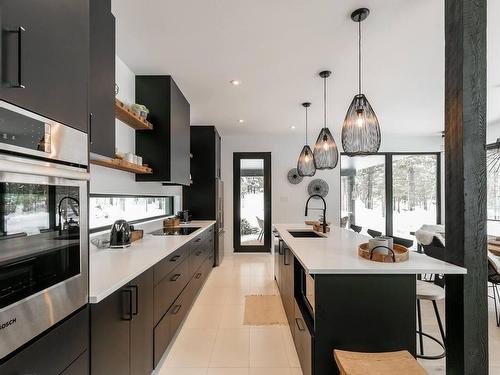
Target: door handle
300	324
127	315
136	290
19	31
175	277
176	309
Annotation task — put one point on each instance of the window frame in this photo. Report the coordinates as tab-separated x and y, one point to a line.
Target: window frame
171	198
388	169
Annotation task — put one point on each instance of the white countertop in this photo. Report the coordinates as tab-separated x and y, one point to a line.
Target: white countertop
338	254
110	269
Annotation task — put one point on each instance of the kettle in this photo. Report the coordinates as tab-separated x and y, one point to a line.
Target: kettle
120	235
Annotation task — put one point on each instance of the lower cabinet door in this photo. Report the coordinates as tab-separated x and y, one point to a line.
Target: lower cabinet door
141	325
110	334
303	342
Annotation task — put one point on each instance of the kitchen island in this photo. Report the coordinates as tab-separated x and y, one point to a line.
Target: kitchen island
335	299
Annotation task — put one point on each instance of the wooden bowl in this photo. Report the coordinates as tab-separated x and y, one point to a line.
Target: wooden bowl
401	254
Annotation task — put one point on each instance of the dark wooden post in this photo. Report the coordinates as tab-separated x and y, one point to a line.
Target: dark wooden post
465	153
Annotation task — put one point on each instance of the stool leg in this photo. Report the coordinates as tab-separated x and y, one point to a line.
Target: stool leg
419	322
438	318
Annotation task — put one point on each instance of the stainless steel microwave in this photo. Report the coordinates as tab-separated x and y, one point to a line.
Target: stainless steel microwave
43	224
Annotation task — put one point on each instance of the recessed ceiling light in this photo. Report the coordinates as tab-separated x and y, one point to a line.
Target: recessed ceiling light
235	82
292	127
241	121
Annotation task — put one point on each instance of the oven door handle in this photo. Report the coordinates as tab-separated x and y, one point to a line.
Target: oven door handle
35	169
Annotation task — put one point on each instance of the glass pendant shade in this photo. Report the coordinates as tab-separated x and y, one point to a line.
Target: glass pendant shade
305	164
361	130
326	155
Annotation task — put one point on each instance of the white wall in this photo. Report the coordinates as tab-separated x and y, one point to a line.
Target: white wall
111	181
288	200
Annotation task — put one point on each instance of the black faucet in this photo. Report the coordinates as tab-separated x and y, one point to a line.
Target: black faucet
324	209
59	211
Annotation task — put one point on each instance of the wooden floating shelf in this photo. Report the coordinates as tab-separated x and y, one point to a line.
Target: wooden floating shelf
129	117
122	165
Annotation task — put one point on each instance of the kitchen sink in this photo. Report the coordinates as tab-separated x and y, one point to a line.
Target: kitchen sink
305	234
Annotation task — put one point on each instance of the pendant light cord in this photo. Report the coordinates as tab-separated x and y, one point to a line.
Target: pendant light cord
324	99
359	56
306	125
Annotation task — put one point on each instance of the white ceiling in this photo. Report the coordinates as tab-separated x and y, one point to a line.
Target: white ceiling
277	47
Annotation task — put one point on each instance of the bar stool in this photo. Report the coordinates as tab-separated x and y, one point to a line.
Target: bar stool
430	292
356	228
390	363
374	233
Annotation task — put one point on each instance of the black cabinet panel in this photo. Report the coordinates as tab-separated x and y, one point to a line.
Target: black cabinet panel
141	328
162	336
102	78
54	351
166	147
80	366
110	334
167	290
303	341
52	63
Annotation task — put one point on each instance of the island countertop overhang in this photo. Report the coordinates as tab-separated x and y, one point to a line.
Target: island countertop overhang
336	253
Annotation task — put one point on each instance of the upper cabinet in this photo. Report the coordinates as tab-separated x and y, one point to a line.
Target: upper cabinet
45	55
102	79
165	148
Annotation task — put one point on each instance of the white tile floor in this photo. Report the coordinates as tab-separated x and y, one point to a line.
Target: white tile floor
214	341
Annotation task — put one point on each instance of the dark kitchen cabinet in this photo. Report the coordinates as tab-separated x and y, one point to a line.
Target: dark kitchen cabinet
45	49
166	148
102	79
287	290
121	329
62	350
303	341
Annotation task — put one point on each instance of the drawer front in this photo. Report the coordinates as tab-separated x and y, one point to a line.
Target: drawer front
303	342
197	257
200	276
179	309
167	290
162	336
164	267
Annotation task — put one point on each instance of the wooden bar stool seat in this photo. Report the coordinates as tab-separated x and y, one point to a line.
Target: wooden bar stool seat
389	363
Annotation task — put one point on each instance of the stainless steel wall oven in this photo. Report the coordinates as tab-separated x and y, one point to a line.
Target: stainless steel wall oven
43	224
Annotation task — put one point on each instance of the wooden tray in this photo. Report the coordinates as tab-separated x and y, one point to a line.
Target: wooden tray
136	234
171	222
401	254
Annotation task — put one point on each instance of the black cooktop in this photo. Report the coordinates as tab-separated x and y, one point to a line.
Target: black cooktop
178	231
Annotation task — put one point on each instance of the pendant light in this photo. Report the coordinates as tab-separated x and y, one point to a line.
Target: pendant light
305	164
361	130
326	155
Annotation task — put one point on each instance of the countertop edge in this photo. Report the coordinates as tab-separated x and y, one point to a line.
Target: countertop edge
98	297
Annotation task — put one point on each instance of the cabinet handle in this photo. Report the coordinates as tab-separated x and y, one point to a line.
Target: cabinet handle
90	127
127	315
19	31
280	247
176	309
136	289
198	275
174	258
285	251
198	253
300	324
198	240
175	277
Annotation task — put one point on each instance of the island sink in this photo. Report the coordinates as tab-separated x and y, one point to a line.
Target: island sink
305	234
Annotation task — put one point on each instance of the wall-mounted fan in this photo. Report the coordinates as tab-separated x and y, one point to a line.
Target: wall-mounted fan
318	186
294	177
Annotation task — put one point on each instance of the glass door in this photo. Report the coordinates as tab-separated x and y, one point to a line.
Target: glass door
252	202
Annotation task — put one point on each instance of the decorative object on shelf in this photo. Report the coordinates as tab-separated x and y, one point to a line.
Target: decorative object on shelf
117	89
305	164
361	129
397	254
122	165
294	177
493	157
130	118
319	187
140	110
326	154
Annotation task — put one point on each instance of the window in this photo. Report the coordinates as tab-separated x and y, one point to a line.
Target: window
106	209
392	193
493	188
